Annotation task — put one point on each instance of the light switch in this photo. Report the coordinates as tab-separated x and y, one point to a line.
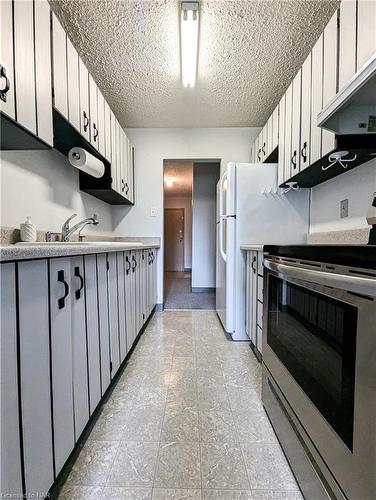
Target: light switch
153	212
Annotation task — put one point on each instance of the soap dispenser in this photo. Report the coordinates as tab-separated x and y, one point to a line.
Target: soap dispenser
28	231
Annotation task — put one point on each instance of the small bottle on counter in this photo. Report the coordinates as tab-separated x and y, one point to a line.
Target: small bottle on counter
28	231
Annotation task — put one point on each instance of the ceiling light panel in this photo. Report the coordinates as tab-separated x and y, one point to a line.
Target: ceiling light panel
189	19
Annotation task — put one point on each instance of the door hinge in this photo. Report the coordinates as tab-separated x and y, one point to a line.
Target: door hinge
110	366
107	265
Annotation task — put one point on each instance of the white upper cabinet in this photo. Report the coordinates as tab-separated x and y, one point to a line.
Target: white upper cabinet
295	123
107	126
330	67
347	42
84	101
316	99
281	140
7	102
73	86
366	42
305	123
101	125
288	130
59	53
275	128
25	64
93	103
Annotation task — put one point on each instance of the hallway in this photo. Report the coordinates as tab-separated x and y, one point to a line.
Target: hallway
185	421
178	294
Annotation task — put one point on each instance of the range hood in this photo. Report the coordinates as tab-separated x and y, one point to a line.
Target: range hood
353	109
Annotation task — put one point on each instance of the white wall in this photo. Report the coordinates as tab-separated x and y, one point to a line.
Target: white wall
155	145
205	178
357	186
43	185
184	202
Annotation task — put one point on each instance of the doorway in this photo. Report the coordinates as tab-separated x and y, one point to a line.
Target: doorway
189	193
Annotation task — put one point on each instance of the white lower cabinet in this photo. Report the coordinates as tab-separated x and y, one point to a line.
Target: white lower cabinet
63	322
254	298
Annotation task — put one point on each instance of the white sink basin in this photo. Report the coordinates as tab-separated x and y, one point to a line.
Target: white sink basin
82	243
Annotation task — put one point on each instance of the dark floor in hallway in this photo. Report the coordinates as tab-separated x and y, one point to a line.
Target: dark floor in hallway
178	294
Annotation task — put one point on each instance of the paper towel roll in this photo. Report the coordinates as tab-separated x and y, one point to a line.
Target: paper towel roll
81	159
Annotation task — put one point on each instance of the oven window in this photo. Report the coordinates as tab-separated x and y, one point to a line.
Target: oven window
314	336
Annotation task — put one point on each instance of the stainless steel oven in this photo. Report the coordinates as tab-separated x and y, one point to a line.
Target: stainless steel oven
319	356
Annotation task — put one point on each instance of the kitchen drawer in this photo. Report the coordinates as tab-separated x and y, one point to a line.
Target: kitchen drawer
260	263
260	307
260	282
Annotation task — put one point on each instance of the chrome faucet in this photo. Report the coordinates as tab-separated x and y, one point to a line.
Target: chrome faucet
66	231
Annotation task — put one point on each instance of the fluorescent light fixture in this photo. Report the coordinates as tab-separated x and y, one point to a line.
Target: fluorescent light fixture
169	181
189	42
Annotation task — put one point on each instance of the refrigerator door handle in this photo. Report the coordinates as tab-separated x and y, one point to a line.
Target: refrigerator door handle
221	194
223	255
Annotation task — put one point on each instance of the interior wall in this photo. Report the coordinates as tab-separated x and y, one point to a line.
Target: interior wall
45	186
357	186
184	202
152	146
205	178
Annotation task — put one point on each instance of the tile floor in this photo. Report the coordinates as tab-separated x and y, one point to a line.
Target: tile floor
184	422
179	294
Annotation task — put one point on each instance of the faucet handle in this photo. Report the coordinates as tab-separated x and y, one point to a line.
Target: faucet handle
69	219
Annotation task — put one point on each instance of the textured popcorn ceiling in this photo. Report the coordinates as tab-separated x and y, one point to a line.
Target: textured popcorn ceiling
249	51
182	173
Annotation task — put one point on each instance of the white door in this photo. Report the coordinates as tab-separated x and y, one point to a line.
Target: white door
221	254
104	326
92	327
79	347
6	58
62	366
11	476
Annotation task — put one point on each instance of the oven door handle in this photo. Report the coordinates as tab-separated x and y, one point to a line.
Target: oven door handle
357	284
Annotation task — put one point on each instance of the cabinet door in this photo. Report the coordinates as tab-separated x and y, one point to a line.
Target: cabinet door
122	160
59	66
288	132
154	274
129	300
107	130
305	124
79	347
113	313
73	86
34	348
316	99
101	124
24	64
93	103
269	144
114	175
43	71
104	325
264	141
61	352
84	101
275	127
281	140
330	66
134	295
92	328
6	57
347	42
11	478
295	124
248	295
253	296
366	42
131	172
121	302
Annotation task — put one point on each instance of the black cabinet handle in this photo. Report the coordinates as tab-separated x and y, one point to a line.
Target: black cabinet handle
258	155
96	132
293	160
263	148
149	258
128	264
253	262
135	264
78	275
60	279
123	185
152	257
3	92
127	190
303	152
86	121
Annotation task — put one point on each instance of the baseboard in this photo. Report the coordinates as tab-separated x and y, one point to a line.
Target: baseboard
199	289
159	307
187	269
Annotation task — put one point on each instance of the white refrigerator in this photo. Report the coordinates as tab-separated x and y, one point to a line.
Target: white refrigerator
250	211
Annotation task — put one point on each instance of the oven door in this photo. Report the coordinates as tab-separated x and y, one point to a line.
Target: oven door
320	348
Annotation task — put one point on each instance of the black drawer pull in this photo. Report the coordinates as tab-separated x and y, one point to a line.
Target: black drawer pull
149	257
127	188
258	155
152	257
253	262
78	275
135	264
60	279
128	265
123	185
293	160
3	92
263	148
86	121
95	132
303	152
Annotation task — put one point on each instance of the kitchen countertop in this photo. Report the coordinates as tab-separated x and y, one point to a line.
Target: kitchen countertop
27	252
363	256
258	248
